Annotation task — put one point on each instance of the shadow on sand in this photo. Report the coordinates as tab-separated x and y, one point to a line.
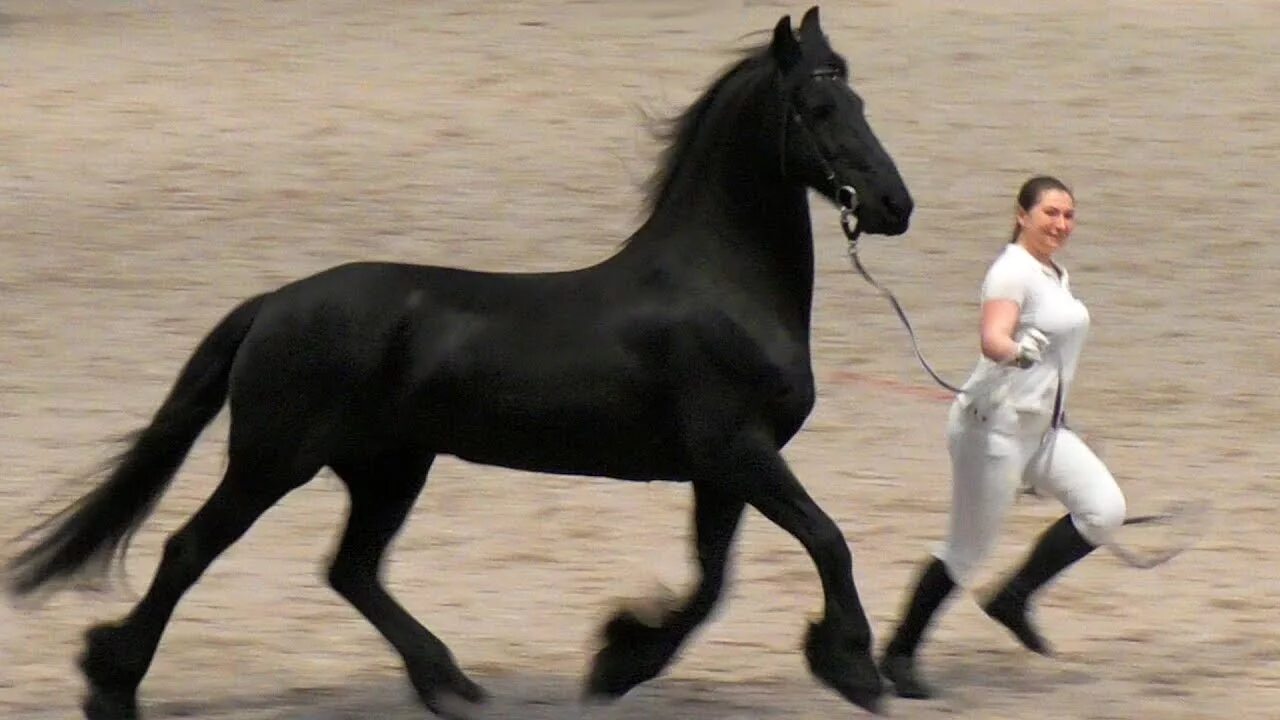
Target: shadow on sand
517	697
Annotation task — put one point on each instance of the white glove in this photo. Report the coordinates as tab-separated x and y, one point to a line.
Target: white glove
1031	345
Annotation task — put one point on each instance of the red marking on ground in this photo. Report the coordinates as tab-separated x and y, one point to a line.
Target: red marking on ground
898	387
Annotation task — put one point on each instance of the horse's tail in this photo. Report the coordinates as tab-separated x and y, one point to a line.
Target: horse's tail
86	536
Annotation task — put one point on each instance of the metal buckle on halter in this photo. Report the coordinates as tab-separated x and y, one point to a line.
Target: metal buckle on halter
848	199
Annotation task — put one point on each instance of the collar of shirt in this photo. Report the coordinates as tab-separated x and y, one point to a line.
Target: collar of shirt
1057	272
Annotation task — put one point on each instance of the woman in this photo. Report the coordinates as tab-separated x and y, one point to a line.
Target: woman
1005	434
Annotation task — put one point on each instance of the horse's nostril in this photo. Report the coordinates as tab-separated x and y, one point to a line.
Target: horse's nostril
897	207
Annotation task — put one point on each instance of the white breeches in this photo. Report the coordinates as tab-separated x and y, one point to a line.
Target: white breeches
993	457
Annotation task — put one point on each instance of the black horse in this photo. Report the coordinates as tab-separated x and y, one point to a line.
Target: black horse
683	357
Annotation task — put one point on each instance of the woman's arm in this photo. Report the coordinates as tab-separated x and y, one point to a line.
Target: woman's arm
999	319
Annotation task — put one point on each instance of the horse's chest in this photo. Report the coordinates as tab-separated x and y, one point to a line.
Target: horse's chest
792	401
764	365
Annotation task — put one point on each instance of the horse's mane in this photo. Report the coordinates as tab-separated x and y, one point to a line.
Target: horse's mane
684	134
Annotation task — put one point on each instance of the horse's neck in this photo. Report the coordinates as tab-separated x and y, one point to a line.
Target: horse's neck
772	237
729	217
778	236
756	238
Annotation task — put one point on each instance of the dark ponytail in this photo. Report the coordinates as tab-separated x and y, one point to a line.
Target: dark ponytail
1030	194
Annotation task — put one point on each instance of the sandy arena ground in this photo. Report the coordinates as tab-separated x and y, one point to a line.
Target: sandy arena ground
160	161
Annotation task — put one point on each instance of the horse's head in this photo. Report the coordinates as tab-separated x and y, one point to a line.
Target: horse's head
828	143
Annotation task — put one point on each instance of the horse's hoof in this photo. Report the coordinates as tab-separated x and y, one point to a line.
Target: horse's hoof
901	671
103	705
112	691
616	672
635	652
453	696
850	673
873	705
450	706
468	690
610	678
593	694
866	698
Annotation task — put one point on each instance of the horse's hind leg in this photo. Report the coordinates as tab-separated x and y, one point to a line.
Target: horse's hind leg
382	493
117	655
635	651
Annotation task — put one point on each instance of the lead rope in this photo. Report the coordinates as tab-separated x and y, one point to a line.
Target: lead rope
848	223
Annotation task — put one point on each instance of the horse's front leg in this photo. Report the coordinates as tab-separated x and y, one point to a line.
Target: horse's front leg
637	650
838	647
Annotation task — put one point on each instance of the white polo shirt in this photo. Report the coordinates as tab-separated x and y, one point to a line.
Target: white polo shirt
1046	304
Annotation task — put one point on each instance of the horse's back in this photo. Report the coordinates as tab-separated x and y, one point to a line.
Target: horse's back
537	371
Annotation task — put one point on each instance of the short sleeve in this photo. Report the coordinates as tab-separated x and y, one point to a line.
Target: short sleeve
1006	280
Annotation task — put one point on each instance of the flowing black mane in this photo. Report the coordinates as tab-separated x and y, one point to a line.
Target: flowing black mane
687	136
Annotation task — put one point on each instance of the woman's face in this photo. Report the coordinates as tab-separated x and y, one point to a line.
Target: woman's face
1048	224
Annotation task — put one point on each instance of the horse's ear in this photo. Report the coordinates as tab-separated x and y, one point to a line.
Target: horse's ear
785	47
811	27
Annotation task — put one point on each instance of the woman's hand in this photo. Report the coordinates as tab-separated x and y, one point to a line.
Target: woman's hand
1030	348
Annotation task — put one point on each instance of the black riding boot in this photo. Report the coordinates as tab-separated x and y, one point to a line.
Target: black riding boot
1059	547
899	662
